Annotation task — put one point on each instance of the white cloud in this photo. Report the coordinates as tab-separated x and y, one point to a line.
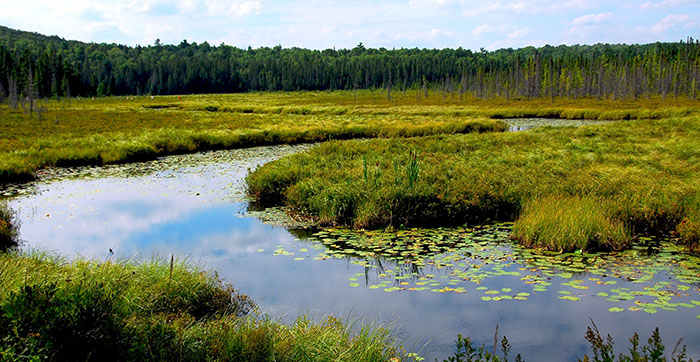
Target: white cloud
531	7
592	19
245	8
569	5
510	31
340	24
519	33
431	3
485	28
663	4
669	22
497	7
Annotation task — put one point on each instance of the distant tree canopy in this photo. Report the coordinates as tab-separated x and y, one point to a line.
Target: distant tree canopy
51	66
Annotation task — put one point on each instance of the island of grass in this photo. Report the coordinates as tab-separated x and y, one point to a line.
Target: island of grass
567	188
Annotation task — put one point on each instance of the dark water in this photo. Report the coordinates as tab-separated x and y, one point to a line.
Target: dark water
193	207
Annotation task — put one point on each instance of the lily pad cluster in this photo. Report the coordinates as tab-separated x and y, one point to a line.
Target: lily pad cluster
477	259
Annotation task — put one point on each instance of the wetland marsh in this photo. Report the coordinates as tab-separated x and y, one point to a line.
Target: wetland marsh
427	285
343	237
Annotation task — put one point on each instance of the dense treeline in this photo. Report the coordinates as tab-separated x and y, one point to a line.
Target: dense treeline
33	65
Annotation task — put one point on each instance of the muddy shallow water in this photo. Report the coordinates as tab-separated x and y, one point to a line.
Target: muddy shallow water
427	285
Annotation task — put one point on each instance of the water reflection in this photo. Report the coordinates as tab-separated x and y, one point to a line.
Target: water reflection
193	207
523	124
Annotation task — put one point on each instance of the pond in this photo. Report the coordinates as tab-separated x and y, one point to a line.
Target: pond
427	285
522	124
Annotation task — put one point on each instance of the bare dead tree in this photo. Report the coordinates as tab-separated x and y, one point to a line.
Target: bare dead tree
12	97
30	94
463	87
444	88
40	110
388	90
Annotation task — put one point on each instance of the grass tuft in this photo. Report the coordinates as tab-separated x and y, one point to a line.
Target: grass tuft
566	223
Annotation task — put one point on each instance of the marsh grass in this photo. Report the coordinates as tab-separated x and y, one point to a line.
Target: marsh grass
65	311
644	173
566	223
117	129
125	129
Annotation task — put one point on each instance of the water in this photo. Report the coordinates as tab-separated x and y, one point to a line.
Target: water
523	124
193	206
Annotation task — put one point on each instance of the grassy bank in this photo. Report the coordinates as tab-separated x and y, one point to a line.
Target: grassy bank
51	309
607	182
123	129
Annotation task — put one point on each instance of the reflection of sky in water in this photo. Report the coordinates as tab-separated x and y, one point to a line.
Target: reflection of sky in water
523	124
194	208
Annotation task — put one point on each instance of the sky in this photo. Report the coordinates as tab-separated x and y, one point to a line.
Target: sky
470	24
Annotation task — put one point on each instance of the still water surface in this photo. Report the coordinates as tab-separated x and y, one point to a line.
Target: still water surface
193	206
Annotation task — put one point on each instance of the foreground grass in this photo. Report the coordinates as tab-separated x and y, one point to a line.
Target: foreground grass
653	351
54	310
592	187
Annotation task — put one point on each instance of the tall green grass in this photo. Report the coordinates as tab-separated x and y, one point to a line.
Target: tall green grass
646	174
569	223
51	309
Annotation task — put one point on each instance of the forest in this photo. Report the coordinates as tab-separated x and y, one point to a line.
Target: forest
38	66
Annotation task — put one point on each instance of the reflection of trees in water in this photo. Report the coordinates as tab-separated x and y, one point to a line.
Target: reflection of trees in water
475	254
9	228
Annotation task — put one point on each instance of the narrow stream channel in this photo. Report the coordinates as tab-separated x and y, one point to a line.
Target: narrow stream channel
466	281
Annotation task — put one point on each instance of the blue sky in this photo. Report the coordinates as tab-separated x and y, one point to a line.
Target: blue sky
471	24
